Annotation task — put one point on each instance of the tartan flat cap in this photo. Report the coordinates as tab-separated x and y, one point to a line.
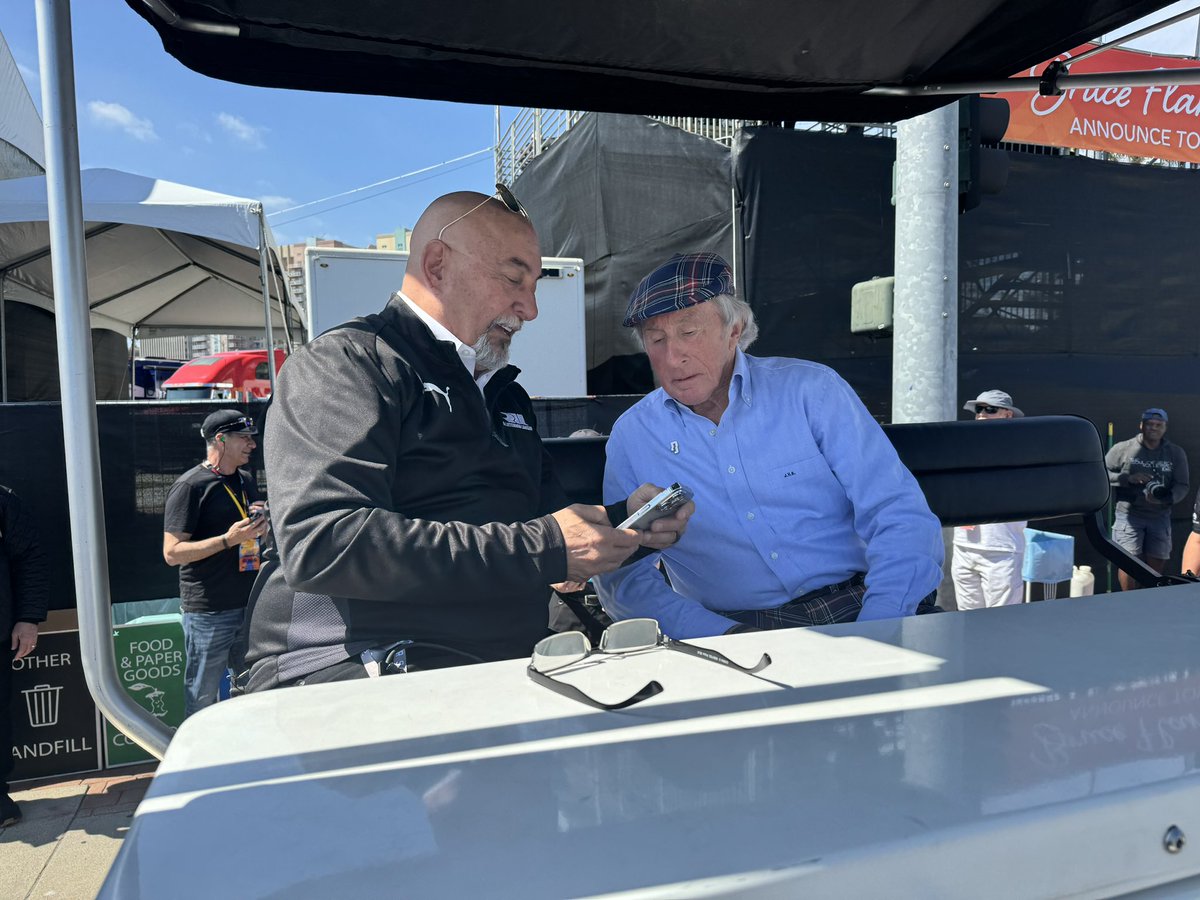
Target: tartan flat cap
682	281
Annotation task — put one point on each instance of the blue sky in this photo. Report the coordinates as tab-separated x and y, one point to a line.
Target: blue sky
141	111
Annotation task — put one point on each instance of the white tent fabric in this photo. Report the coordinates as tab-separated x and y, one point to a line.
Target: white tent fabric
164	258
20	124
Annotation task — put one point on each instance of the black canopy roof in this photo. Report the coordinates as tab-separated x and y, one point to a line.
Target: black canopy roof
750	59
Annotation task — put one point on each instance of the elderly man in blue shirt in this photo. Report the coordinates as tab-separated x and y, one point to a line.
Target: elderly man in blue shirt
804	513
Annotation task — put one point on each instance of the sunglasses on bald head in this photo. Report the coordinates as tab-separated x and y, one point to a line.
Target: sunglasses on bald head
503	194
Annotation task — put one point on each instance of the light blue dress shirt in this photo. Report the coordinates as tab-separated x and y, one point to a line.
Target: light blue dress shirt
796	488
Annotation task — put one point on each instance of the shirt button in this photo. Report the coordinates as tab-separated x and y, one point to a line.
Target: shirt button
749	515
713	431
774	556
732	469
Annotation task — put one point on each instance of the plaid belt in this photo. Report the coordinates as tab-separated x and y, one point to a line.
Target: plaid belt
829	605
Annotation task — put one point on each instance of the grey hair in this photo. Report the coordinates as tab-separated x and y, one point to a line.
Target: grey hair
733	312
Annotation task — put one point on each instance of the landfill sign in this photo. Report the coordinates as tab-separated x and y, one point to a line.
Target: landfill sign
150	663
55	726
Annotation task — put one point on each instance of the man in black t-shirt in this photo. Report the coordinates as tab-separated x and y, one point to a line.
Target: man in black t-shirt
211	529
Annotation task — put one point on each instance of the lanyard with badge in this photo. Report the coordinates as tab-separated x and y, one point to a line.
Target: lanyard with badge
248	555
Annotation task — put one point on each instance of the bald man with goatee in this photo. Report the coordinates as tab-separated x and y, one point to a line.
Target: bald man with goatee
417	518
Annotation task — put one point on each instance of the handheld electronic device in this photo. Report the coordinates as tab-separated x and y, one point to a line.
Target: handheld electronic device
663	504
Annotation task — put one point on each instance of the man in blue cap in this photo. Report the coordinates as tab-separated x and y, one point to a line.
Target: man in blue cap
1149	475
804	513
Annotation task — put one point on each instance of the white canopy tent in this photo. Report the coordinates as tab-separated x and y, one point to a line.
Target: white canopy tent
21	149
162	258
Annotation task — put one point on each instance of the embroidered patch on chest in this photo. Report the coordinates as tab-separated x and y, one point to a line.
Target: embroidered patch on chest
515	420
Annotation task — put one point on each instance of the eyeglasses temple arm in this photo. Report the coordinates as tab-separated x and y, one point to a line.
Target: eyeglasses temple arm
714	656
569	690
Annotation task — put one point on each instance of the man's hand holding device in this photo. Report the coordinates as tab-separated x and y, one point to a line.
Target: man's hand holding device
659	515
595	547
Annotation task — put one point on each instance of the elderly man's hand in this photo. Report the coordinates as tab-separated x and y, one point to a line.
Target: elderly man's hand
663	532
593	545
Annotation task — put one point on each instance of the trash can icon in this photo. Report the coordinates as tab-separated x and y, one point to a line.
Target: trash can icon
41	702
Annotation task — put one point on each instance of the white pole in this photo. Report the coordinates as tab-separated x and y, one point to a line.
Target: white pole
496	153
80	433
925	315
266	292
3	341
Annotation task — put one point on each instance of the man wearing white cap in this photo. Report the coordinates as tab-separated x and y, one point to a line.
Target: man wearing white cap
986	567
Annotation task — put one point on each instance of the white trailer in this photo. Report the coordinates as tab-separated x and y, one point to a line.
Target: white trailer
342	283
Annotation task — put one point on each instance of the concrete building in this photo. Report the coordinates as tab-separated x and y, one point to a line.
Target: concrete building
397	240
291	258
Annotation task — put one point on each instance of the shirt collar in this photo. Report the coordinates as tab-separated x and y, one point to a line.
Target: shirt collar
739	385
465	353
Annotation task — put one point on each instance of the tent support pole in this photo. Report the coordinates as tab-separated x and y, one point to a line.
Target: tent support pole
263	251
284	308
3	340
133	336
76	378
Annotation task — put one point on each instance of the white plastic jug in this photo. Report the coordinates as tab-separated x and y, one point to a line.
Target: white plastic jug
1083	582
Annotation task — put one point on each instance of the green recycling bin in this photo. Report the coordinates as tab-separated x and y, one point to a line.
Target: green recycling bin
150	663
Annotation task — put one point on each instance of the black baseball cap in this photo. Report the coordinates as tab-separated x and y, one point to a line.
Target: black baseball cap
227	421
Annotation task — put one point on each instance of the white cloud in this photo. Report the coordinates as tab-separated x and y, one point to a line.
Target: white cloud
195	132
250	135
117	116
275	202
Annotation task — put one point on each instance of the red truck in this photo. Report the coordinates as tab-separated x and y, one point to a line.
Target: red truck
237	375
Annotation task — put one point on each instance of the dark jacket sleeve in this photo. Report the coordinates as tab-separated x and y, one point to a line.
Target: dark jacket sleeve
553	496
332	450
29	569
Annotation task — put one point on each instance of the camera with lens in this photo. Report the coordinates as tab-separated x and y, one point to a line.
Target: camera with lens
1158	490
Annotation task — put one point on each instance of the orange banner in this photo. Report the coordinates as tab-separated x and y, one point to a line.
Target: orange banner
1160	122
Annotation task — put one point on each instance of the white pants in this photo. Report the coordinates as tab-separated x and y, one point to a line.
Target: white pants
986	577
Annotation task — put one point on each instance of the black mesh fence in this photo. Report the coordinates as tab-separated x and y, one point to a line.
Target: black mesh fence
144	447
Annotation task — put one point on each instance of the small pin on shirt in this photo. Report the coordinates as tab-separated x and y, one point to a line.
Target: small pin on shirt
674	446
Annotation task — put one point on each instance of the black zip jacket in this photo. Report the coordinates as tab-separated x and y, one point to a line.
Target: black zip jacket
404	505
24	571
